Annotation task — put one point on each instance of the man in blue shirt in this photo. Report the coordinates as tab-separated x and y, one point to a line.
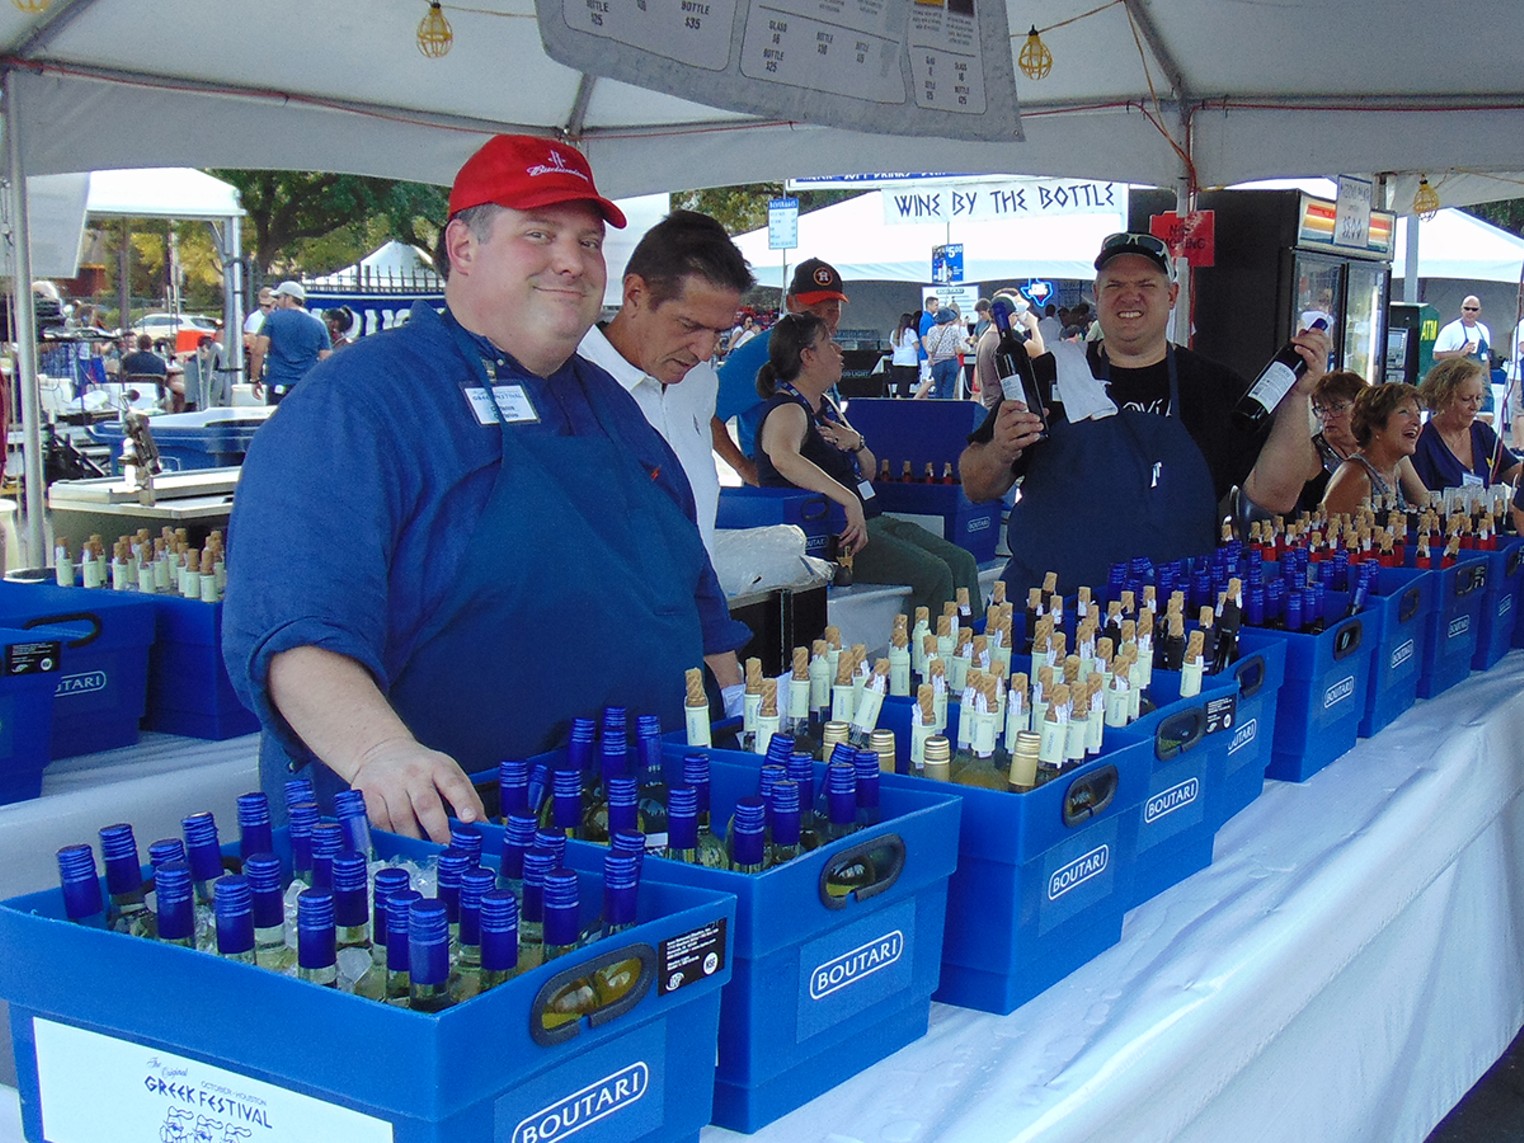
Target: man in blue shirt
457	535
290	342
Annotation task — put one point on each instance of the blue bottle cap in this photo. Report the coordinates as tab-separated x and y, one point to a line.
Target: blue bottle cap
79	881
262	870
843	752
172	892
202	847
615	720
621	881
233	901
119	854
785	813
452	866
398	910
316	944
801	769
301	818
518	835
298	790
384	886
428	940
553	840
562	906
748	831
350	870
500	930
779	747
623	812
474	884
647	726
630	841
254	833
537	864
348	804
328	842
165	849
467	837
579	746
613	754
513	785
682	817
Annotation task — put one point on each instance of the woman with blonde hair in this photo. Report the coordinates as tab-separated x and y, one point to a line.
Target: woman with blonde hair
1456	448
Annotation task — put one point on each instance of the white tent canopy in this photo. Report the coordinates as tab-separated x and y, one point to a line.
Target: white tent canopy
390	266
1454	244
854	238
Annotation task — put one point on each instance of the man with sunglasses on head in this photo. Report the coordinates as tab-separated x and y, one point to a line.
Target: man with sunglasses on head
1142	456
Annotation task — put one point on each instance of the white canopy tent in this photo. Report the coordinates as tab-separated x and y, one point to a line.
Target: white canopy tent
390	266
1454	244
854	238
1185	93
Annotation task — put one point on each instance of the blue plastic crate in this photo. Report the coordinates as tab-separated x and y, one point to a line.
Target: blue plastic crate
1260	674
1453	625
1401	605
1187	740
209	438
189	692
478	1072
1328	677
974	527
782	1042
1499	612
102	691
922	432
816	516
28	668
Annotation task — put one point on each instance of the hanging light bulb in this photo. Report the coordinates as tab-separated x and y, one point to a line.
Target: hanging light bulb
1035	60
1425	200
434	34
32	7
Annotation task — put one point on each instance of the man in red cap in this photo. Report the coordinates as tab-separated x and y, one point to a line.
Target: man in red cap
504	543
816	288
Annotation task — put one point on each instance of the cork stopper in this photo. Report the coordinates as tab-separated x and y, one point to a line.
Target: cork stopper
1071	669
1130	602
928	644
753	676
925	697
980	645
1045	678
769	707
844	666
900	638
923	615
965	642
1060	646
833	637
819	649
944	626
960	597
988	692
1176	625
1130	631
936	669
1020	684
1034	598
802	664
1058	698
881	670
1195	646
997	593
1208	614
1049	582
1104	649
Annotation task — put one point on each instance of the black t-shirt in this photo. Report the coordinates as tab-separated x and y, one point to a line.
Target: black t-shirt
1208	392
831	460
143	362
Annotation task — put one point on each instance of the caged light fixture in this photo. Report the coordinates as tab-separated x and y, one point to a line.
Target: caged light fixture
434	33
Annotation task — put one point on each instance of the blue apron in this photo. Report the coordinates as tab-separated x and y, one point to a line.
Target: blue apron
1133	484
578	592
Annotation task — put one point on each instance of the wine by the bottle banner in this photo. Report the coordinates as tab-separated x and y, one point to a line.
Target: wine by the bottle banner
943	68
98	1089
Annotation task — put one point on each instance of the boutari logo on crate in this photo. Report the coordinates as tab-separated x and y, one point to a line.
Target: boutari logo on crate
1170	800
200	1111
1402	653
1459	626
1245	734
979	524
1078	871
86	682
850	967
598	1100
1340	691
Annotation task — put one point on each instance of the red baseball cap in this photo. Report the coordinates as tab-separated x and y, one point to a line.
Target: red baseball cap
523	172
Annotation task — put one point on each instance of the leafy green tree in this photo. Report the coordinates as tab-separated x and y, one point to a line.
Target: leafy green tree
288	208
743	208
1507	214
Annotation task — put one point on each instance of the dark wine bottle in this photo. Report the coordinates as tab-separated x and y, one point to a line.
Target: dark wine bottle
1275	380
1014	368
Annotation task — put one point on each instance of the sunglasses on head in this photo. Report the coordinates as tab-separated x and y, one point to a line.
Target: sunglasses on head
1130	238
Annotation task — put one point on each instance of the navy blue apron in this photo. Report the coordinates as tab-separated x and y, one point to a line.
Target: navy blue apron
1133	484
577	592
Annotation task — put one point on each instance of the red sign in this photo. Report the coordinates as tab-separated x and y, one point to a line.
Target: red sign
1193	237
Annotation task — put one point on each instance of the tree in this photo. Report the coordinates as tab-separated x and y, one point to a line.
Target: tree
287	208
743	208
1507	214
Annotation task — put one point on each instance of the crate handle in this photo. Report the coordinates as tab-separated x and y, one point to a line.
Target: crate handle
1348	639
1250	675
1511	562
1471	579
862	871
1407	606
1178	733
69	617
1088	796
815	508
575	986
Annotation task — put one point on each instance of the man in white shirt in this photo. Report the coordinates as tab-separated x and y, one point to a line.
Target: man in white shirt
682	285
1468	336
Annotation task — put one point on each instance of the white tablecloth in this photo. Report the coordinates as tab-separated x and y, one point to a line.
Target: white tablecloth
1345	970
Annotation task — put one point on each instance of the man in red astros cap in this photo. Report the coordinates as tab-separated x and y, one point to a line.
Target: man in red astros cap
502	542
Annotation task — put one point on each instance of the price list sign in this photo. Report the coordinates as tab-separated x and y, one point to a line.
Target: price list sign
945	65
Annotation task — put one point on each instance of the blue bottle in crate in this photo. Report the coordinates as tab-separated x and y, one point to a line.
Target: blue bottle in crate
512	787
301	821
653	781
327	843
351	918
297	791
538	863
176	918
316	941
268	903
127	905
712	851
467	838
399	913
500	937
746	842
204	854
518	837
349	809
784	810
77	877
451	868
466	966
387	881
682	825
254	830
428	940
563	810
235	918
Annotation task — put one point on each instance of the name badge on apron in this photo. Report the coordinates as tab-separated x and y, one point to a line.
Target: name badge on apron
513	405
1471	480
865	489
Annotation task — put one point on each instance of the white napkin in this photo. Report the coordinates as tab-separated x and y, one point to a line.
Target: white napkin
1083	395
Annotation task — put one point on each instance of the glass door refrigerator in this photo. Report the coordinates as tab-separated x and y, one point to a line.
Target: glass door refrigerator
1277	269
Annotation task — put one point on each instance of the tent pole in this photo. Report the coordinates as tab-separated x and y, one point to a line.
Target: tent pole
232	300
1410	261
25	332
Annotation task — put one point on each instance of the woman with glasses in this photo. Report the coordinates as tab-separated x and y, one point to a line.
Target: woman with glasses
1385	421
1457	449
806	442
1333	403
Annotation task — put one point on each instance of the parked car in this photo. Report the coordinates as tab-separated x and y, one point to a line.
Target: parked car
181	331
